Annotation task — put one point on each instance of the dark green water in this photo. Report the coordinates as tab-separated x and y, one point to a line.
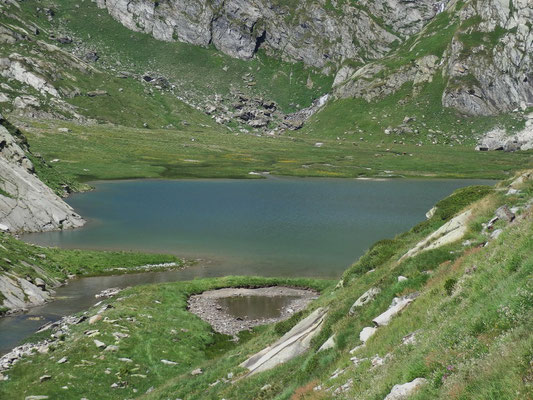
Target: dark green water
272	227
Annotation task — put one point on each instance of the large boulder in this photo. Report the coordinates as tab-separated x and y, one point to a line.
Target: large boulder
402	392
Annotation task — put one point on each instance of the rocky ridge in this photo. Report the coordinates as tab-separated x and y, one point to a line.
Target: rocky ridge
319	33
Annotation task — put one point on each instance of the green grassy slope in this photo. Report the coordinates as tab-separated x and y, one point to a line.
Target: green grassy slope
114	152
196	71
159	327
471	323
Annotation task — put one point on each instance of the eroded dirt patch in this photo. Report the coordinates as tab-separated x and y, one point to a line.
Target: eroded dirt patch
231	310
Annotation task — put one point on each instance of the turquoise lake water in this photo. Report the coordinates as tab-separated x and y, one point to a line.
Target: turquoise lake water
289	227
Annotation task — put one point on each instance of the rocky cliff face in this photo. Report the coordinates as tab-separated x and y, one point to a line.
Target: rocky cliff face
320	33
26	203
490	64
487	62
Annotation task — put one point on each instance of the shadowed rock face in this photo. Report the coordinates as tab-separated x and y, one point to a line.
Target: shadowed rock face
26	203
303	31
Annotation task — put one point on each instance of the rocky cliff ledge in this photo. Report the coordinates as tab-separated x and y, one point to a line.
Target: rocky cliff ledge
481	51
26	203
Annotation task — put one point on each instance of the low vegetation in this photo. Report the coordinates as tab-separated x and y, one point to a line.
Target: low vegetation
114	152
158	327
34	261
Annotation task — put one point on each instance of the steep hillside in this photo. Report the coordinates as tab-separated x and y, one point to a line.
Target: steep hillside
441	311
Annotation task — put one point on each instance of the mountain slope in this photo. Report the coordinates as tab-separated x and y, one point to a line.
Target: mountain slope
320	33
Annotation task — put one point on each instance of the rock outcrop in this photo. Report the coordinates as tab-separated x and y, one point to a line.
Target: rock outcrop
487	63
20	293
499	139
292	344
402	392
26	203
319	33
495	73
450	232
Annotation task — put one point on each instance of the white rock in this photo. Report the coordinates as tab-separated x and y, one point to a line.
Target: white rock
398	304
365	298
328	344
168	362
402	278
36	207
99	344
292	344
450	232
431	213
94	319
367	333
496	233
402	392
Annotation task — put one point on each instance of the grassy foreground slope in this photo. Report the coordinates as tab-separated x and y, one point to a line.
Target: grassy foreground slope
157	327
470	326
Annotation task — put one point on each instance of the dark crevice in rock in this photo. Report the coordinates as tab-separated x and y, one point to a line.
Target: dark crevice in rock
259	41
